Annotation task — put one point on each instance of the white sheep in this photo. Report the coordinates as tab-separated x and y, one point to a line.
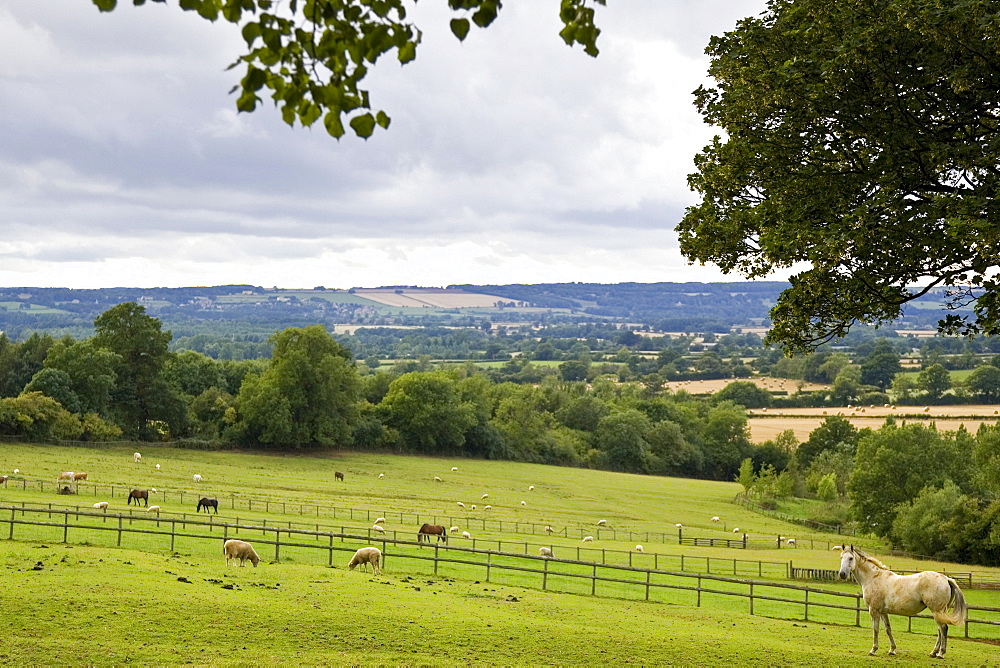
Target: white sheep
460	504
466	534
716	519
153	509
523	503
549	529
486	496
454	469
736	530
531	488
487	507
679	525
152	490
380	520
365	556
381	475
238	549
437	479
453	529
602	523
588	539
16	471
545	552
136	457
196	477
790	541
101	505
638	548
473	506
377	529
157	467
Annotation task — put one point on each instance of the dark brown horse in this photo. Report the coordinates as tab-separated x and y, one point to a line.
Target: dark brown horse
207	503
428	530
138	494
338	475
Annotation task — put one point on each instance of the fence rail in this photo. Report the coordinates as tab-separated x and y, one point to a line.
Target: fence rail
772	599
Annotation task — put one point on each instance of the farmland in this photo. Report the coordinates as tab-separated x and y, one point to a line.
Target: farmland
300	611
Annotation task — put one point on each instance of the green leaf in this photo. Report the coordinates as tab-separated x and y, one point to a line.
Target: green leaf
460	28
363	125
251	32
247	101
407	52
333	125
383	120
105	5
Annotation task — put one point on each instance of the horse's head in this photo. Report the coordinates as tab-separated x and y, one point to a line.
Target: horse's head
848	560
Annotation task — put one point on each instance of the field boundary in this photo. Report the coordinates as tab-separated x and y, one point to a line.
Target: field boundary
512	567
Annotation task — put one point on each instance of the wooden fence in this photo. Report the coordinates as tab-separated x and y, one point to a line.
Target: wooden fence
778	600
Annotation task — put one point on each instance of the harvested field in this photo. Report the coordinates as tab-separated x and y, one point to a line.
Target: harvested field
430	298
780	385
803	420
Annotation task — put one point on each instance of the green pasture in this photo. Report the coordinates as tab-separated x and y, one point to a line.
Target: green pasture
32	309
160	605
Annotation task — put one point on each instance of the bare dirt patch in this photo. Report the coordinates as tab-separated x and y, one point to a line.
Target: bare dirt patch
430	298
779	385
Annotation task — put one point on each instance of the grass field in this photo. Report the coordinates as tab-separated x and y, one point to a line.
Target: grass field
97	604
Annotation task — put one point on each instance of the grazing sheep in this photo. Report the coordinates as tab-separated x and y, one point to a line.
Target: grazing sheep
196	477
927	409
453	529
716	519
79	476
679	525
545	552
157	467
238	549
454	469
531	488
588	539
365	556
523	503
460	504
466	534
638	548
837	547
136	457
473	506
437	479
380	520
16	471
549	530
736	530
378	529
101	505
486	496
790	541
153	509
381	475
487	507
602	523
66	475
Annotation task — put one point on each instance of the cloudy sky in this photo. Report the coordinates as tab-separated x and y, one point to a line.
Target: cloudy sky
511	158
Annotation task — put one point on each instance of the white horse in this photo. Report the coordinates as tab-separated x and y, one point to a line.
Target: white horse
888	593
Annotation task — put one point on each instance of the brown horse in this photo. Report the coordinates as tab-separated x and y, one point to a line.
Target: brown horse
338	475
138	494
207	503
428	530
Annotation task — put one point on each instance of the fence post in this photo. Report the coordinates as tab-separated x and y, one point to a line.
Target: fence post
119	530
489	561
65	527
330	550
173	533
807	605
436	546
545	575
277	544
647	584
699	591
593	582
751	598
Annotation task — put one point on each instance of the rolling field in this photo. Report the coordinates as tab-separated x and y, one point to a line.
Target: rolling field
91	602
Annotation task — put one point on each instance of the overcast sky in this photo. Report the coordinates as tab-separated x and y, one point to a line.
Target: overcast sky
511	158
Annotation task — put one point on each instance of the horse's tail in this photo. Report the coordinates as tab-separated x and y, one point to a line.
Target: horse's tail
960	609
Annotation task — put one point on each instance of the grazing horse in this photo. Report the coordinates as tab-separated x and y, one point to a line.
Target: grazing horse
428	530
888	593
207	503
139	494
338	475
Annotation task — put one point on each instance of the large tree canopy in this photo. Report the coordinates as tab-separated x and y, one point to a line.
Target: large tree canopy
862	142
312	55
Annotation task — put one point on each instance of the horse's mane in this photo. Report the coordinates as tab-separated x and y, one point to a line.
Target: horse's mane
868	557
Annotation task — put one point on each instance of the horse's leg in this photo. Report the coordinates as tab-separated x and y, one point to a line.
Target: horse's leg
888	632
942	643
875	618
